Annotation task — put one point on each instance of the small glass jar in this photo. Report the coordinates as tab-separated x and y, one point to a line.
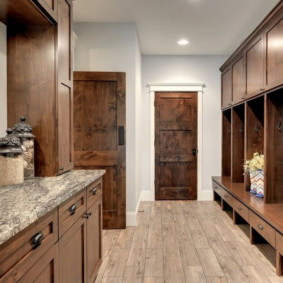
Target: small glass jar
24	132
11	160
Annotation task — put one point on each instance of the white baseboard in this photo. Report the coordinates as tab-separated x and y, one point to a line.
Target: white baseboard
205	195
147	196
131	216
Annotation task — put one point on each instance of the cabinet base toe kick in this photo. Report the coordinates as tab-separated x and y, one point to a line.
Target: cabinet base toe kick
261	229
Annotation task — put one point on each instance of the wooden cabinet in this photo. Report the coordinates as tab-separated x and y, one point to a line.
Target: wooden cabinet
40	82
19	255
65	86
274	52
227	89
48	8
72	254
255	67
239	81
94	240
68	250
45	270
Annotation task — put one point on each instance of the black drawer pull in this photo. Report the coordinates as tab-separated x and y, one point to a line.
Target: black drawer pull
72	209
239	208
94	191
260	226
87	215
36	240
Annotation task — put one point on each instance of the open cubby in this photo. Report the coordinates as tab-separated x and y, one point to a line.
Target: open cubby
226	143
238	143
273	181
254	131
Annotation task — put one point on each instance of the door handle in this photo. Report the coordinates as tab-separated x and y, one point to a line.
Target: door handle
194	151
121	135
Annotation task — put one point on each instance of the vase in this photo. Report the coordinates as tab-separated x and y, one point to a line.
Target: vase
257	183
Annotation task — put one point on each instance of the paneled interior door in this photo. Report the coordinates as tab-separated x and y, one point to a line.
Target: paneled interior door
175	146
99	135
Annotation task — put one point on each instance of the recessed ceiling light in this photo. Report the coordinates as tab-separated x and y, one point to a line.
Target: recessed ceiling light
183	42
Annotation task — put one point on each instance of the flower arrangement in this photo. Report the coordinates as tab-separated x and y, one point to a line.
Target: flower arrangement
255	168
255	164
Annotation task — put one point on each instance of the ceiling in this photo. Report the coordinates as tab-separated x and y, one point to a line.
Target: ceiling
213	27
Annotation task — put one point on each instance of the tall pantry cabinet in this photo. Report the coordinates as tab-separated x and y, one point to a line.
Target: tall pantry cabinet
40	80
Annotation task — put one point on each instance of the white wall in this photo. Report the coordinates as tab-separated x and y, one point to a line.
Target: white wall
115	47
186	69
3	80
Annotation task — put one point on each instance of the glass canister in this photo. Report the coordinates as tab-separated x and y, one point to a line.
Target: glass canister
11	160
24	132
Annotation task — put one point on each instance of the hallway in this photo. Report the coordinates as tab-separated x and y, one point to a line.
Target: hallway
184	241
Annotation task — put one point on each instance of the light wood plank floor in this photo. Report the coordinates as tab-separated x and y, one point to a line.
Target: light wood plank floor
180	241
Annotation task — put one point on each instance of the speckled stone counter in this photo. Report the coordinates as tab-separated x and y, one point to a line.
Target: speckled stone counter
21	205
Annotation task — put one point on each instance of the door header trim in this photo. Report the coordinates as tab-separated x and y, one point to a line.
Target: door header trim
193	87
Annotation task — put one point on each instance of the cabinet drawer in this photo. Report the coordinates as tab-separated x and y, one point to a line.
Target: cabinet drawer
21	253
71	211
263	228
94	192
228	198
241	209
279	243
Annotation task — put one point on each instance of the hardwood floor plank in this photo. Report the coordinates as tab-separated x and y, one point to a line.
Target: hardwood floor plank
209	262
194	274
154	263
184	242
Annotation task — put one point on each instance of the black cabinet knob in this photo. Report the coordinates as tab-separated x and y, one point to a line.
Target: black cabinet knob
94	191
194	151
36	240
72	209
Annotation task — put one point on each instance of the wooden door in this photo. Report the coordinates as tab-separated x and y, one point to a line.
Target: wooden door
45	270
99	134
239	81
254	63
175	146
227	89
65	88
94	240
72	254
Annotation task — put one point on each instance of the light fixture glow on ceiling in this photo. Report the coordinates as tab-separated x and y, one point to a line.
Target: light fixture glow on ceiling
183	42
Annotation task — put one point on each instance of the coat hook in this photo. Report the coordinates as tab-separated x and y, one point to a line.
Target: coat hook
256	128
279	126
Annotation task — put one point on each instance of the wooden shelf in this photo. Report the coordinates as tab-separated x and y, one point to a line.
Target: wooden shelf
273	147
226	143
238	145
272	213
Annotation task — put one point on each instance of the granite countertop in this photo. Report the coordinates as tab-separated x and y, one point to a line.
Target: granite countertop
21	205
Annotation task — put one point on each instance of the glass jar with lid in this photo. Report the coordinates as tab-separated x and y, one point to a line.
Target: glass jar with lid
24	132
11	160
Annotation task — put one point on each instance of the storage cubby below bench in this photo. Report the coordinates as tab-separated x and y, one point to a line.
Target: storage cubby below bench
265	220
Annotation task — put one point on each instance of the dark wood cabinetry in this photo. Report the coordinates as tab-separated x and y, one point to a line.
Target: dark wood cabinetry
239	81
72	252
63	246
227	89
255	67
256	123
39	64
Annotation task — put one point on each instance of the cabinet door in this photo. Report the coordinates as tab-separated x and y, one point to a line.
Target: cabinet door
48	8
227	89
65	87
94	240
239	81
45	270
255	71
72	254
274	53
